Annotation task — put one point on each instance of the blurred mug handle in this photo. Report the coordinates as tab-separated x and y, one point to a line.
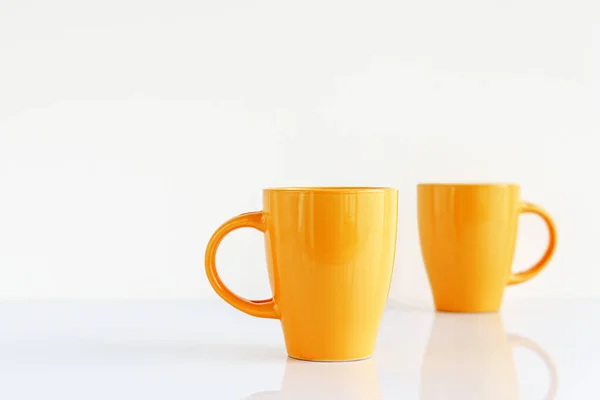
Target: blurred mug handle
526	275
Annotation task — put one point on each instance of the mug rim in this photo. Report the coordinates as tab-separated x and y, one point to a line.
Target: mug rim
470	185
330	189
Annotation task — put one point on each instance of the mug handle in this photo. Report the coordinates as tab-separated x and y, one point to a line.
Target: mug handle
517	341
257	308
526	275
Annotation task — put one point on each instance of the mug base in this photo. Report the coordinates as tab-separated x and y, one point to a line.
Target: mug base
467	304
342	360
467	310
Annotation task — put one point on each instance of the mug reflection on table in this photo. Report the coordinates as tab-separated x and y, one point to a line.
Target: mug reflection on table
349	381
470	356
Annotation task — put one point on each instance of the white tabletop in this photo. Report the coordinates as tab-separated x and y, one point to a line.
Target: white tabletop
207	350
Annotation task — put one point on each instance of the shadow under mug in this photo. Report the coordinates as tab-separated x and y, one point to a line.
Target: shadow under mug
469	356
468	234
330	254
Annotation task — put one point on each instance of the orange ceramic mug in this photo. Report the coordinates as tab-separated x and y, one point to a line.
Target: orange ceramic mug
330	255
468	234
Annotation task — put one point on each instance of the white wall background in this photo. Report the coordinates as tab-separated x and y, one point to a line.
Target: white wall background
129	130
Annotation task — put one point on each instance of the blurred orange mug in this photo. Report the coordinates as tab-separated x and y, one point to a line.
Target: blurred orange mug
468	234
330	255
